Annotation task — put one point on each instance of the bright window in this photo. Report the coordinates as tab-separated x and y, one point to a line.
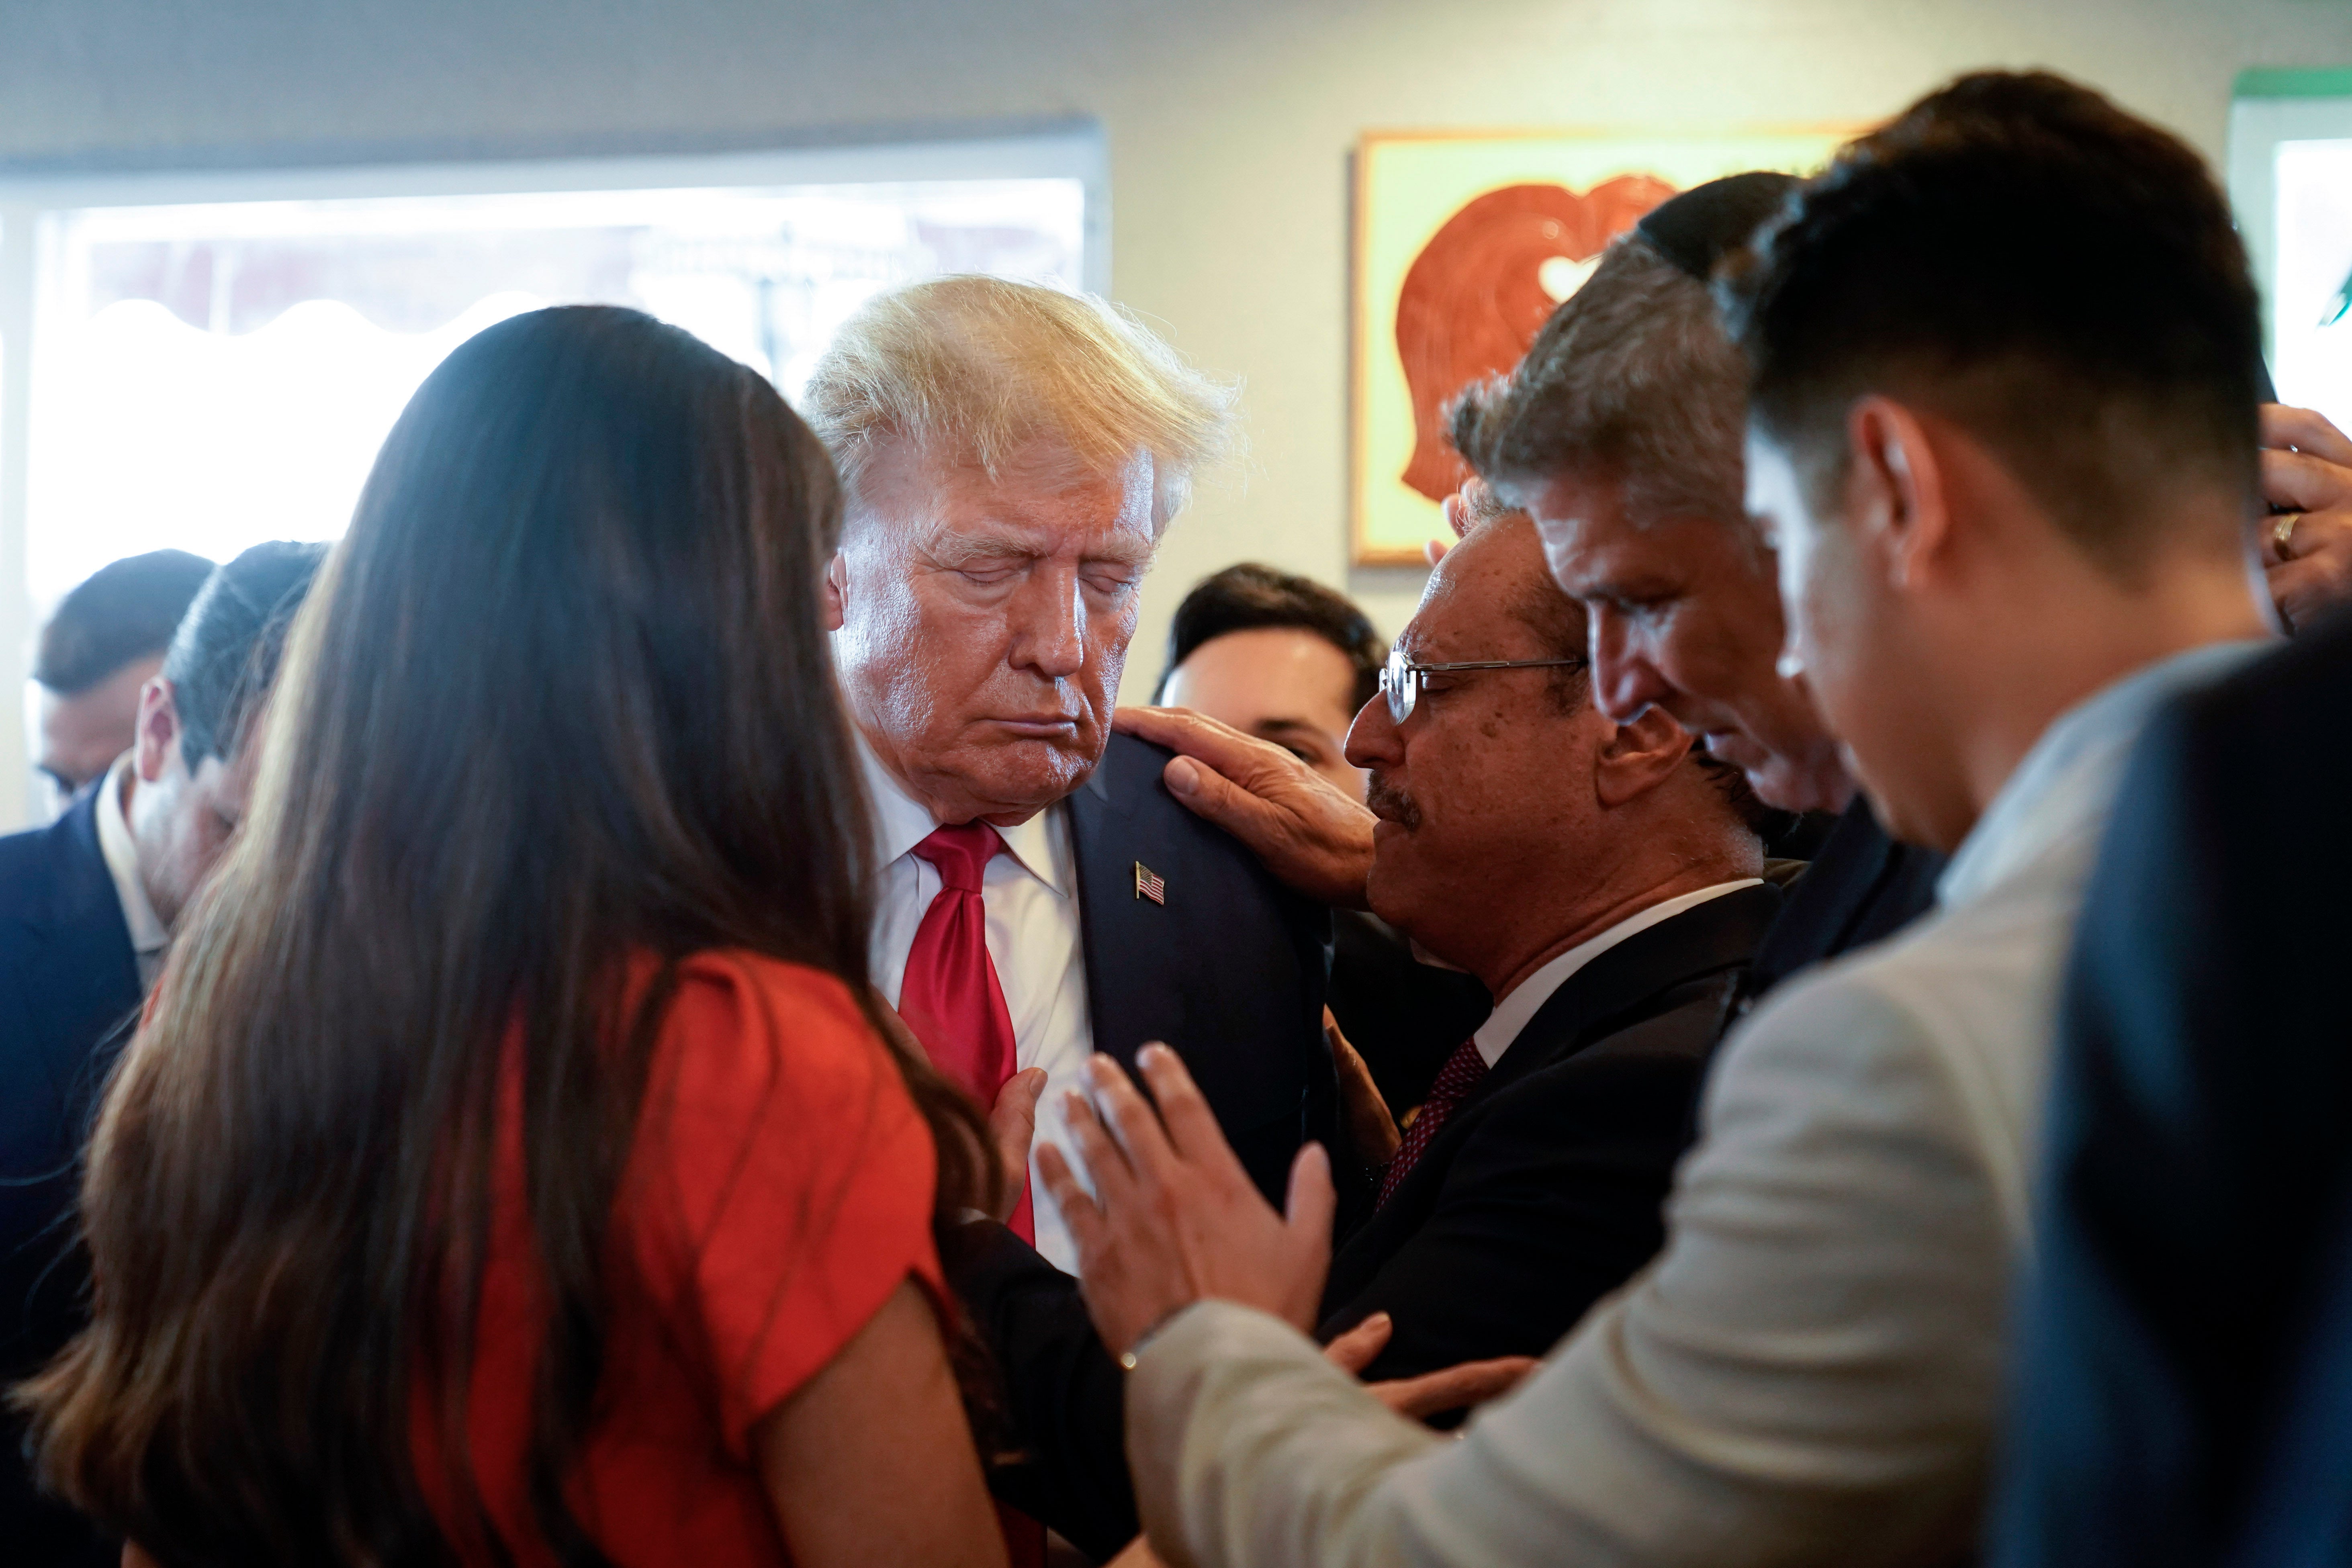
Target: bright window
216	358
2291	182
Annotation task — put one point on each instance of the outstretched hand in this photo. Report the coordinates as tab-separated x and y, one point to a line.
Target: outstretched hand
1312	834
1432	1394
2307	468
1173	1218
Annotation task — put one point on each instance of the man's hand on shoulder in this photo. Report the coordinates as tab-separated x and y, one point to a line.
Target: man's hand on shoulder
1310	834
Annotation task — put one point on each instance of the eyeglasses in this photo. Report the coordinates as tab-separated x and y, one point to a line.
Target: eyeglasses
1401	682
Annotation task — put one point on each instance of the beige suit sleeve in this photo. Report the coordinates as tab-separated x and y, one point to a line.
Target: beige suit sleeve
1810	1372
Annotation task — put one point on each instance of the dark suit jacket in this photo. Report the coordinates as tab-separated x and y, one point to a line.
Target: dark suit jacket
1229	971
1540	1195
1542	1192
2184	1393
1861	888
69	988
1403	1016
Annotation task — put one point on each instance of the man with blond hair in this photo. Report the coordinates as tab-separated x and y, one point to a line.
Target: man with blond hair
1010	457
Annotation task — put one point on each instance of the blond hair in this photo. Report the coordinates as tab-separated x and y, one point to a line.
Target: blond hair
976	367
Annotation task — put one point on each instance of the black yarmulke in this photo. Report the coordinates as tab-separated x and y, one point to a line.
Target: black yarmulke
1697	228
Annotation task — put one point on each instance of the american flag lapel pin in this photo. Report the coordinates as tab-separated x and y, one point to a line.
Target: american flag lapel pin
1147	884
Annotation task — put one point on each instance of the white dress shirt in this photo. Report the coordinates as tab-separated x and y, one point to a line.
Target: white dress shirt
148	937
1510	1016
1812	1369
1031	894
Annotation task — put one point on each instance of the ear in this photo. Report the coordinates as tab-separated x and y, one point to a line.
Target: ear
156	741
834	599
1896	496
1639	757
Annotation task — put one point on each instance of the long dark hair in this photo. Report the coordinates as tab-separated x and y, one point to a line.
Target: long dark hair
560	703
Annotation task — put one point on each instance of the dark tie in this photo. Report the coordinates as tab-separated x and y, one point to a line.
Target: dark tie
1459	1075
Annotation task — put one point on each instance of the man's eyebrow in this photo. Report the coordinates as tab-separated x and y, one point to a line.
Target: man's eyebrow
1121	550
950	547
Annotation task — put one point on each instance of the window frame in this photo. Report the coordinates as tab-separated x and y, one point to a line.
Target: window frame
29	239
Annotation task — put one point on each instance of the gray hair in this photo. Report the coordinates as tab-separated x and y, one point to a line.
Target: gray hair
975	367
1634	377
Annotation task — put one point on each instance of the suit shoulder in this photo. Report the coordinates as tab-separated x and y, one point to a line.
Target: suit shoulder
32	861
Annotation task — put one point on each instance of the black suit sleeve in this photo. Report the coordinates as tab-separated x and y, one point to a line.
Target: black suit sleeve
1064	1396
1552	1205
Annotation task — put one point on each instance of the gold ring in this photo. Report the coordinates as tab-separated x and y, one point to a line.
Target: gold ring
2282	533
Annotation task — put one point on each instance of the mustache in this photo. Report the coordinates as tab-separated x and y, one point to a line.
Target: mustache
1387	800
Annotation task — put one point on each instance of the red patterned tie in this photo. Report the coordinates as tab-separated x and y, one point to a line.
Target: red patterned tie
1459	1075
952	999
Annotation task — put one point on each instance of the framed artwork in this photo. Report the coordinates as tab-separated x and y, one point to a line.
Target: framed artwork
1465	242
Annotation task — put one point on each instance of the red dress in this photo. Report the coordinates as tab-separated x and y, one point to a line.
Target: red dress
779	1190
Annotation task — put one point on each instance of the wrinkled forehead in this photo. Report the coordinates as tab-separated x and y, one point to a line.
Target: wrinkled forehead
1041	495
1491	587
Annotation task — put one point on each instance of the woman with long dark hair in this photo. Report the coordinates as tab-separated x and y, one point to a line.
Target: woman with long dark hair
512	1169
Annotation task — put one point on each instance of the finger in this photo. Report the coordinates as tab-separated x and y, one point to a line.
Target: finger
2305	483
1311	1200
1243	758
2309	586
1432	551
1360	1346
1192	1130
1132	1120
2306	431
1078	1206
1114	1179
1263	828
1471	1383
1018	1099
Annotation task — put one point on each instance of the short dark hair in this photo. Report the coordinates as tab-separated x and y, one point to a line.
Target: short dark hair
1250	597
226	653
1634	378
125	611
2020	255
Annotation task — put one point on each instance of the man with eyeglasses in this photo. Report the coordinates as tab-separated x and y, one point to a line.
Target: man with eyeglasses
1606	883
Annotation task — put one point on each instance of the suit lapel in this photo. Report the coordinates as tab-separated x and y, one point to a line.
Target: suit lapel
1120	969
1720	934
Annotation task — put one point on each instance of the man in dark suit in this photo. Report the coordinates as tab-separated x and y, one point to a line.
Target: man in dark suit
85	908
1288	660
1009	455
2186	1370
1604	883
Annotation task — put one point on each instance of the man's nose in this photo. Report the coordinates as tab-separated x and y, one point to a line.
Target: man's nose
1049	628
1372	738
1625	681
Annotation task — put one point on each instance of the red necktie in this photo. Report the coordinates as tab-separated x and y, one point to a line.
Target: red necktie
950	997
1456	1080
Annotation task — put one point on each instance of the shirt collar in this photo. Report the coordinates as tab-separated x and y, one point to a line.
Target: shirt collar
901	822
1526	999
122	854
2063	789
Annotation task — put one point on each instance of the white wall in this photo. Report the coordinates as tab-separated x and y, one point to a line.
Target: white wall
1230	124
